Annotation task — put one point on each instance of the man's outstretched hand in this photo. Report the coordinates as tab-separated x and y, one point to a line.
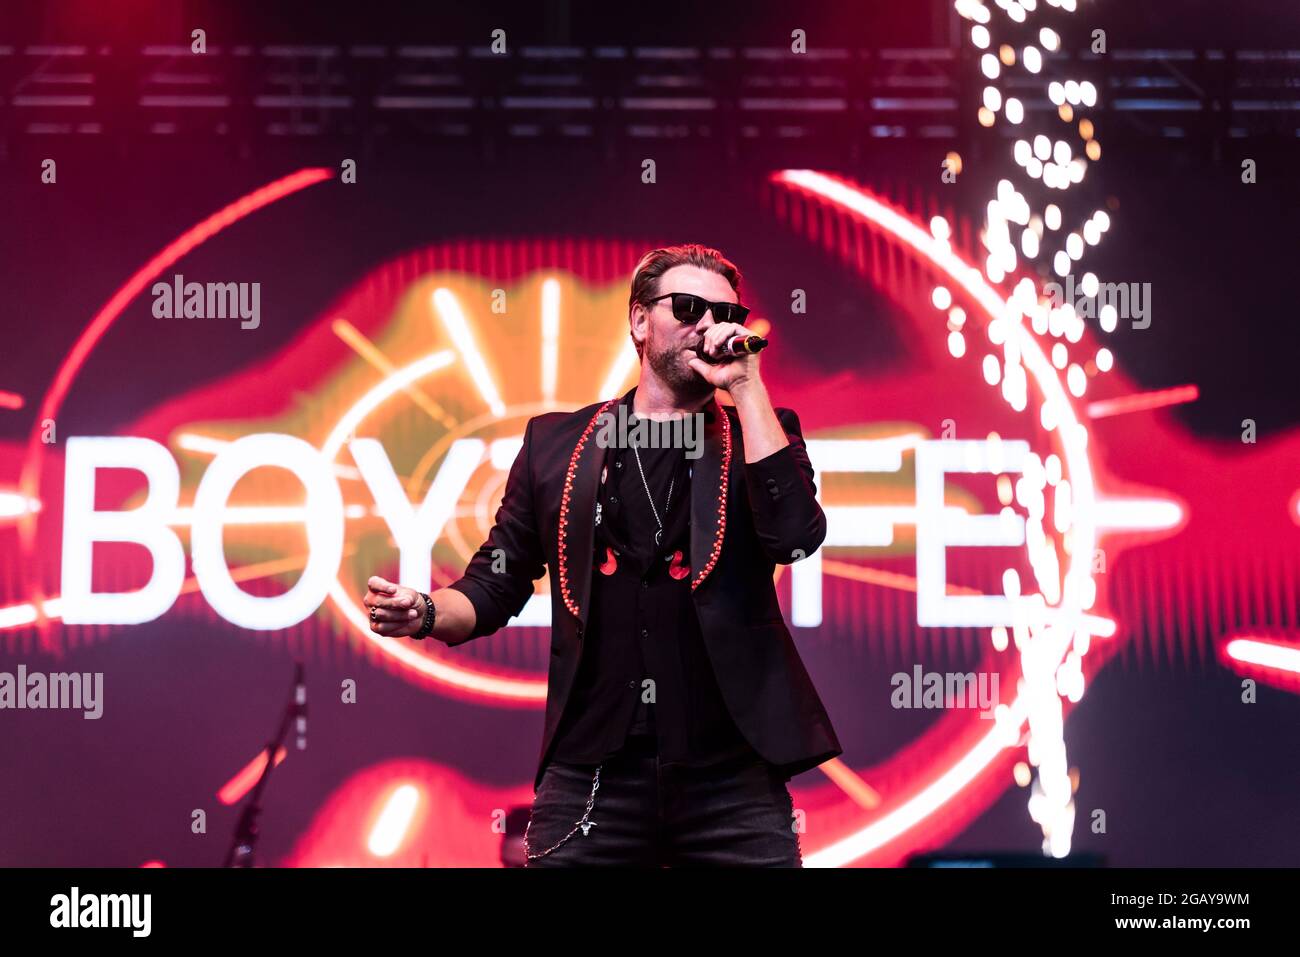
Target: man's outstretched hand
394	610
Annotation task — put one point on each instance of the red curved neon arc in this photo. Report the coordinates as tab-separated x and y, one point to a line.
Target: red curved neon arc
196	235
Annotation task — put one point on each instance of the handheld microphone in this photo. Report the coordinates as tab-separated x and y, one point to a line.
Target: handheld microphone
736	346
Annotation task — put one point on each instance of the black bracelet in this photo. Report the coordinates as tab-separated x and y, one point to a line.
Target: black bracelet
426	627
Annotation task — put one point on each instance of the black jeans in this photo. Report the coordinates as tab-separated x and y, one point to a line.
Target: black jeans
634	811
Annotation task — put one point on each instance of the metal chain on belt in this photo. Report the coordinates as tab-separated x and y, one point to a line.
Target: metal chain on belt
585	823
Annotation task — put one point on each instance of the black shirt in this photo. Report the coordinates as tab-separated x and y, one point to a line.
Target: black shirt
644	666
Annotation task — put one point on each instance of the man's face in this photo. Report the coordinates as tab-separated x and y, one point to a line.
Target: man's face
669	344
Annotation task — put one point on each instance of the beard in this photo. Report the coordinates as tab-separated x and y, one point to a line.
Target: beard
685	382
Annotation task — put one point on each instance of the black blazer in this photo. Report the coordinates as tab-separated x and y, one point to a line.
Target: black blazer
771	515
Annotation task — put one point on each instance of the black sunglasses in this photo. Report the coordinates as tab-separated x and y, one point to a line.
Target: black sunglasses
688	308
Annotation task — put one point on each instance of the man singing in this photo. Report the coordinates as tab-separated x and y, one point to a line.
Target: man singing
677	706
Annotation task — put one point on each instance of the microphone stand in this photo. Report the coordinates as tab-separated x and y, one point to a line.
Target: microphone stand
240	853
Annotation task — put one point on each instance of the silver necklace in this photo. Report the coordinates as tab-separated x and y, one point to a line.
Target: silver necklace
658	534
